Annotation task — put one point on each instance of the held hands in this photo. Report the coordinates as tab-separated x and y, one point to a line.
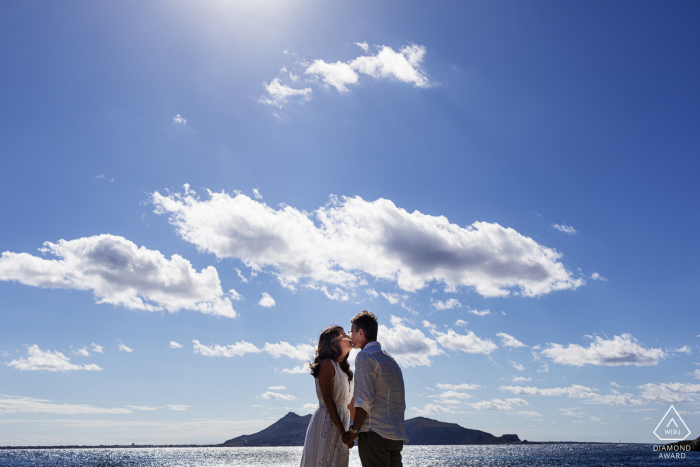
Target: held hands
349	439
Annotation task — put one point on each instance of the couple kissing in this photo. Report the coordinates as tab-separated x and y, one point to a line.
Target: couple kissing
367	406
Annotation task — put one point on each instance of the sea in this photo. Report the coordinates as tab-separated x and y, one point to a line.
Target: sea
544	455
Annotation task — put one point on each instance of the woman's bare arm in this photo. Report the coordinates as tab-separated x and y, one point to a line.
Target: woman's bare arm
326	376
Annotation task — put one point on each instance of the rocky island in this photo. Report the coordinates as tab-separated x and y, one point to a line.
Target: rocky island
290	430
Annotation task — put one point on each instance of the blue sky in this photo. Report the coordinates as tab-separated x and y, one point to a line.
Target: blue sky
510	186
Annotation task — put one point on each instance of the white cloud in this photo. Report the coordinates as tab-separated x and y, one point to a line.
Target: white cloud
100	176
279	93
234	350
14	404
39	360
97	348
178	408
466	386
363	46
267	301
256	193
696	374
446	305
301	369
597	277
394	298
428	324
277	396
235	295
516	365
404	65
372	293
498	404
452	395
410	347
334	74
124	348
431	409
510	341
479	313
175	345
570	412
466	343
565	228
576	392
142	407
340	243
670	393
685	349
84	352
278	388
620	350
461	322
120	273
519	379
301	352
527	413
614	384
178	120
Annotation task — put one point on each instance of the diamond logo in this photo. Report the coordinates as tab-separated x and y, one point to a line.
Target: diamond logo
672	427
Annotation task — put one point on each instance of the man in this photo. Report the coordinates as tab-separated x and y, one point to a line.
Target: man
380	398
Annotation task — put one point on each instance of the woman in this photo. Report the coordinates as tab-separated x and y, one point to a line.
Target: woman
323	446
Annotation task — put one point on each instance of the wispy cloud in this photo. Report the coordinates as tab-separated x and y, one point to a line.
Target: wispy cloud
277	396
40	360
499	404
597	277
355	238
468	343
179	120
120	273
457	387
233	350
576	392
510	341
620	350
279	94
386	64
670	393
124	348
175	345
564	228
83	352
446	305
14	404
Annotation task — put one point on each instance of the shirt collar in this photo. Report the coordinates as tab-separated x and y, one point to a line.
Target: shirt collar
373	344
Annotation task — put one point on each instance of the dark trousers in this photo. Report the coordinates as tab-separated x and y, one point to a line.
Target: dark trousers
376	451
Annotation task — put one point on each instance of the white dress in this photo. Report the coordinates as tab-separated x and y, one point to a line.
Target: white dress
323	446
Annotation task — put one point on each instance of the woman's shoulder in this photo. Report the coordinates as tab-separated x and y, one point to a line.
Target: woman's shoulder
327	364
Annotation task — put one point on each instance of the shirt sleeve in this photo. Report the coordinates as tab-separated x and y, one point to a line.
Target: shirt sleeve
365	374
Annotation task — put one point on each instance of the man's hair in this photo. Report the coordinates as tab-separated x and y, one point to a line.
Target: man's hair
368	323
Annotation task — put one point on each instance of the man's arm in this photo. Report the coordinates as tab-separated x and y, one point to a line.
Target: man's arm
365	374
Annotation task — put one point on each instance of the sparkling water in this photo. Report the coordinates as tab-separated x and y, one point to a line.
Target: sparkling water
542	455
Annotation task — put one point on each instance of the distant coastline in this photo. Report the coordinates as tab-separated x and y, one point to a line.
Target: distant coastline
290	431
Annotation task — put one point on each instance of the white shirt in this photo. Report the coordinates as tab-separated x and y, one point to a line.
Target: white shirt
380	391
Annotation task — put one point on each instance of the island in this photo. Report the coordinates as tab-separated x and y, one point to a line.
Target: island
290	430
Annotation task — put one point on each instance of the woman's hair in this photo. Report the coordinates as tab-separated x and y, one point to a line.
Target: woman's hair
328	348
